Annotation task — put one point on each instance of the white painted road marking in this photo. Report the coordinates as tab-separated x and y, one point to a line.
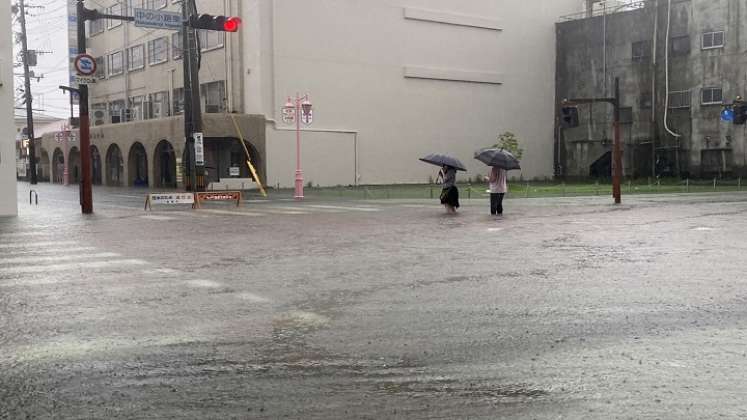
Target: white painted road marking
36	244
55	258
52	268
44	251
205	284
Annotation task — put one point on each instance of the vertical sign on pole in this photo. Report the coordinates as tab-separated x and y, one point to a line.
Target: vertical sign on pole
199	149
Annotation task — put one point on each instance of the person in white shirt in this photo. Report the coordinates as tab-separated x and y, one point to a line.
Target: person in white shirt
498	189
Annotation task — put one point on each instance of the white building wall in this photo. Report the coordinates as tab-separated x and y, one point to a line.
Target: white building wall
8	195
352	56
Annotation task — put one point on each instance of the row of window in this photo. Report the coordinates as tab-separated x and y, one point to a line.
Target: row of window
157	105
134	57
708	96
680	45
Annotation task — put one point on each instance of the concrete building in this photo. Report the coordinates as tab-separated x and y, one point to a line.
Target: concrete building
8	194
137	132
392	81
678	62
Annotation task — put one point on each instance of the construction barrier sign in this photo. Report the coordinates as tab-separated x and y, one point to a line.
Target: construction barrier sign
202	197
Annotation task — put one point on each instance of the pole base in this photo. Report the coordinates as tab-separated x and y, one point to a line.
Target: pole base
299	185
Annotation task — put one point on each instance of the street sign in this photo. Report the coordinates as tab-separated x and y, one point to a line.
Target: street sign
234	171
158	19
85	65
199	149
169	198
307	117
218	196
59	137
71	137
85	80
288	115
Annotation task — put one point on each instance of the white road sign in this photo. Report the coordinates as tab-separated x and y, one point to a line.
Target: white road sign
289	115
85	80
158	19
172	198
199	149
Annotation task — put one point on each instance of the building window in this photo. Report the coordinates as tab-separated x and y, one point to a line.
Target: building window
155	4
646	100
136	57
114	63
712	96
100	68
210	40
113	10
213	97
96	26
679	99
178	101
641	51
680	45
159	104
158	51
136	4
136	111
116	111
176	45
713	40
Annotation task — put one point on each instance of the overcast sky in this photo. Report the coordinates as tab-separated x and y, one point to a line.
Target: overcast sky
47	31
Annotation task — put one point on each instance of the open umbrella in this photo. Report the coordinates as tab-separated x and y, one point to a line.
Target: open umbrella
499	158
441	160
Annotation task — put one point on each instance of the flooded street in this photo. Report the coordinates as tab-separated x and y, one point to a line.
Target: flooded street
562	308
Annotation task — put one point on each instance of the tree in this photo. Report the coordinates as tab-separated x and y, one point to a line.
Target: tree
509	142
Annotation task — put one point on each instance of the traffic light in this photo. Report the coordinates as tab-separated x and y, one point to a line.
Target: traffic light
569	116
740	112
215	23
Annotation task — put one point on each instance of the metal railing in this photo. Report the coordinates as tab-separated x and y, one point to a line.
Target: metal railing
614	7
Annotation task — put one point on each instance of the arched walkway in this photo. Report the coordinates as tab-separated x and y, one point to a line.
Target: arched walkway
43	171
95	165
114	166
73	166
137	166
164	165
58	166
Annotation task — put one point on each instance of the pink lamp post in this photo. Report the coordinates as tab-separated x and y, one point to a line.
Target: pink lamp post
299	110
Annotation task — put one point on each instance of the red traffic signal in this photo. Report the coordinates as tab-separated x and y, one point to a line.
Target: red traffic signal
215	23
232	24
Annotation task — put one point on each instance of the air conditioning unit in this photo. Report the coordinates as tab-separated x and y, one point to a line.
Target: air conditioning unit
99	117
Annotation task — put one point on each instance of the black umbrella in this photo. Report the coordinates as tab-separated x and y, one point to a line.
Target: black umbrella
441	160
499	158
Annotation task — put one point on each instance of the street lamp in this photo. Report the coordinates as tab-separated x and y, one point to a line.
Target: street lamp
298	110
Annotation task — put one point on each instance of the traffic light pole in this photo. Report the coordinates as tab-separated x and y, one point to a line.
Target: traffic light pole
27	94
86	185
616	146
192	106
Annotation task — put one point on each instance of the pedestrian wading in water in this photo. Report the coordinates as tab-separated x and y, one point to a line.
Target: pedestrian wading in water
449	193
498	189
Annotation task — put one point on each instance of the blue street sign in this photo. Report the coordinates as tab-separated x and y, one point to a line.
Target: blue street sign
727	114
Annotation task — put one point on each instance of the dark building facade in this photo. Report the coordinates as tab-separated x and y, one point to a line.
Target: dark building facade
678	62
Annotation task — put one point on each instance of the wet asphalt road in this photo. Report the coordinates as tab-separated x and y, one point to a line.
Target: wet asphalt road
562	309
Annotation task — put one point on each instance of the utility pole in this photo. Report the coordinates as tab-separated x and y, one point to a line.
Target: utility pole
27	94
188	36
617	144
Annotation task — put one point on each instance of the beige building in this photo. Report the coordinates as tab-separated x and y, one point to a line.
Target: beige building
137	132
393	80
8	205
